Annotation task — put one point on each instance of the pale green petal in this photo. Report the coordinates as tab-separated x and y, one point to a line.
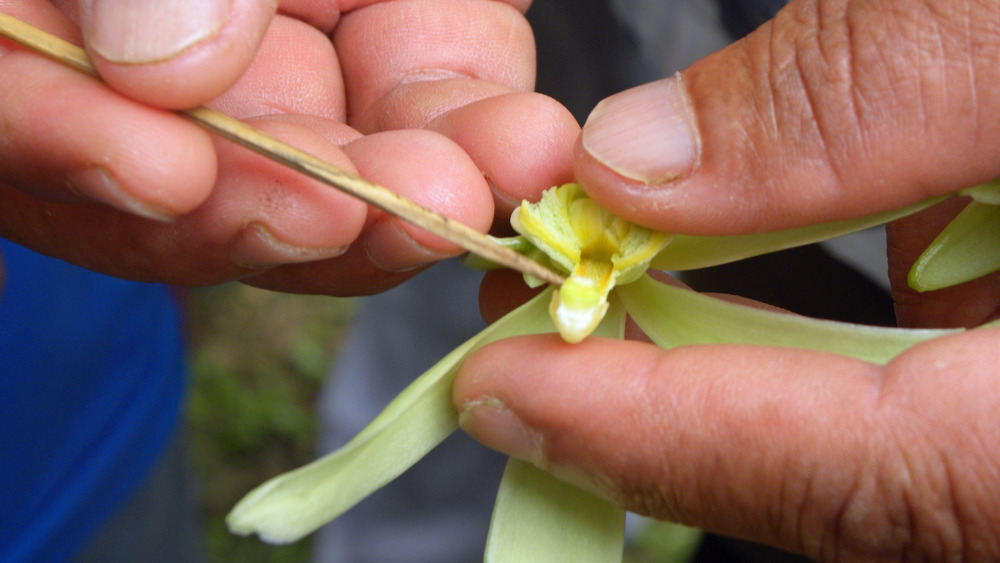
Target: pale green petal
666	542
294	504
673	316
539	518
985	193
690	252
547	225
968	248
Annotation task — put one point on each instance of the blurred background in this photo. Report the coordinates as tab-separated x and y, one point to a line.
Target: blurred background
265	397
258	359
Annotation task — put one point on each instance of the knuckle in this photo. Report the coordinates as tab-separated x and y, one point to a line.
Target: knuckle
844	86
905	503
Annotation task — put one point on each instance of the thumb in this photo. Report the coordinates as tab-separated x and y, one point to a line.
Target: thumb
811	452
834	109
176	54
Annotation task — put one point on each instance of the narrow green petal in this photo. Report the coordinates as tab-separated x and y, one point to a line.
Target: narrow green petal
665	542
538	518
968	248
294	504
690	252
673	316
985	193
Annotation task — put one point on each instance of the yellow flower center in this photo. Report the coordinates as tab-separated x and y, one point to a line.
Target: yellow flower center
596	248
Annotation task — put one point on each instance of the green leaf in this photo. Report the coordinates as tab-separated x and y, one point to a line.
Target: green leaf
292	505
538	518
968	248
674	316
690	252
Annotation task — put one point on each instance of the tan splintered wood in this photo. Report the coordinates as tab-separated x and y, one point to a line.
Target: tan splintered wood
261	143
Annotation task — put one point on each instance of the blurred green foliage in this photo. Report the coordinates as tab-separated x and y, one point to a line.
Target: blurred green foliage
257	360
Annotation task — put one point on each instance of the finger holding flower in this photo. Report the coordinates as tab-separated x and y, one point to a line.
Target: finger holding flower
174	205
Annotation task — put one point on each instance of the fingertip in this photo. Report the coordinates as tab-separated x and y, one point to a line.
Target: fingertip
95	182
175	55
636	150
648	134
430	170
256	245
528	374
273	215
528	150
390	246
489	421
531	397
162	168
295	71
69	136
433	60
792	131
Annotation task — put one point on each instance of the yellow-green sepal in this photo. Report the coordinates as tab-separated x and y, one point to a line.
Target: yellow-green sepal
674	316
687	252
968	248
292	505
539	519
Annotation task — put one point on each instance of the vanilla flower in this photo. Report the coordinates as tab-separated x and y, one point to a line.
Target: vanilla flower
538	518
596	248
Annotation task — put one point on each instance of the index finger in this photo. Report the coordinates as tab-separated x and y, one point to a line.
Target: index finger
813	452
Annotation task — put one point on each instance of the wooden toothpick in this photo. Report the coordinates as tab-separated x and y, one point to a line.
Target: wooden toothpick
301	161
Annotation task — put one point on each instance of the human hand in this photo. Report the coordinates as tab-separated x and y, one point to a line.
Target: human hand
102	176
833	110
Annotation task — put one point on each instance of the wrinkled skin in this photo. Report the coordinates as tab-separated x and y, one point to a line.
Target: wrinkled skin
104	177
834	109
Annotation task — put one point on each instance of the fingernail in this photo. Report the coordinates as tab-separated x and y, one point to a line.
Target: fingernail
146	31
97	183
492	423
257	246
647	133
392	249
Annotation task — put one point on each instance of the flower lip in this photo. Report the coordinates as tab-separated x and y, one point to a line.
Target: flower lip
599	249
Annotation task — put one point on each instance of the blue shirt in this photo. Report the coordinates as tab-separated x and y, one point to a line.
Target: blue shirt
91	380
